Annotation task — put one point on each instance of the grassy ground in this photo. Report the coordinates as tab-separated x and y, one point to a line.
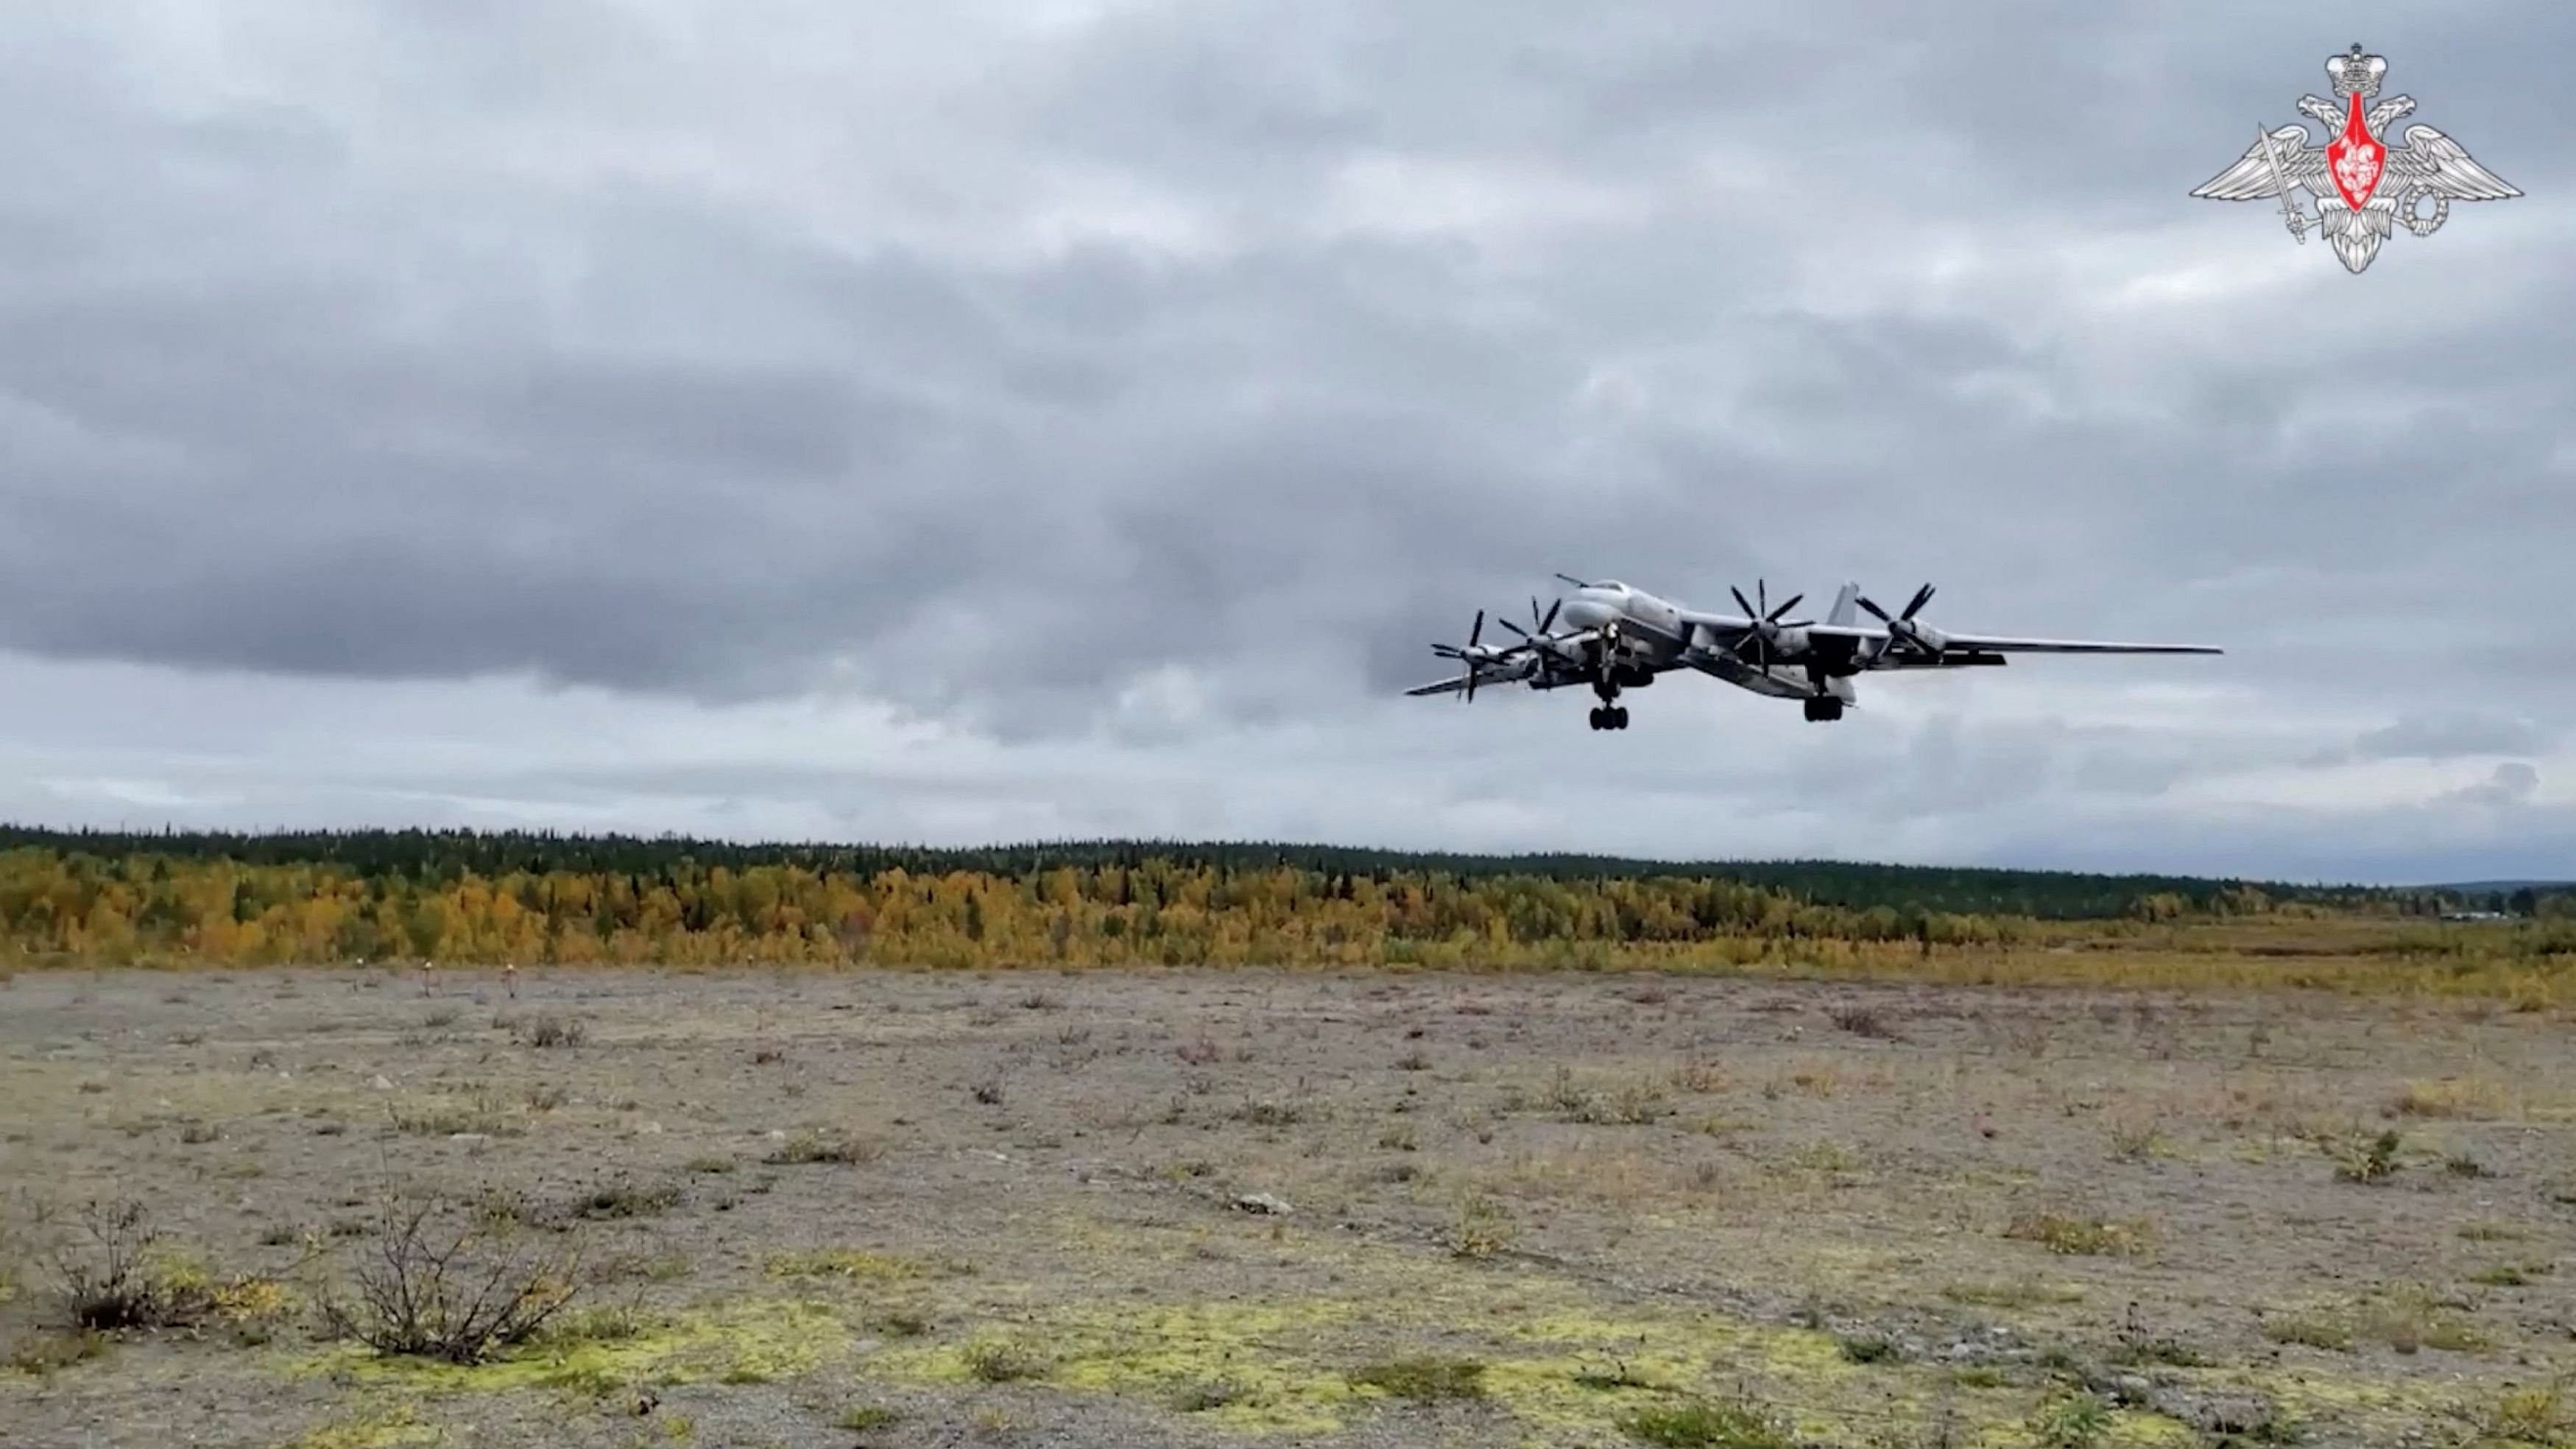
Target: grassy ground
1199	1207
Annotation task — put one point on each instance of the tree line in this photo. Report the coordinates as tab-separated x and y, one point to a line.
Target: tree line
445	857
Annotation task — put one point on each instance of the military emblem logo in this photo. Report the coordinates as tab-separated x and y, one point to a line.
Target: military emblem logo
2363	188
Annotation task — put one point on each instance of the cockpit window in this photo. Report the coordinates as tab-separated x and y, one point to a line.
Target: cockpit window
1613	585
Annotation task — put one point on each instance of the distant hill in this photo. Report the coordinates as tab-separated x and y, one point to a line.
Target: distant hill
446	855
2495	887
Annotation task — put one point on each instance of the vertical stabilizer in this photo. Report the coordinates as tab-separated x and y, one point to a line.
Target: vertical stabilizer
1845	609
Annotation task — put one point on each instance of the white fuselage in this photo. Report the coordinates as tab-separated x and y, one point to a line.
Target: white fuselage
1610	603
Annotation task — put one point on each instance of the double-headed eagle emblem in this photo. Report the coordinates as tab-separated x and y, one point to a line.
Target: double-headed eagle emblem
2364	188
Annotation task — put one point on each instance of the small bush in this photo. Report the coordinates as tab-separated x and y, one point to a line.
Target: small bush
2074	1419
1266	1113
434	1284
901	1323
557	1031
479	1116
1006	1363
1616	1377
1869	1348
2310	1330
626	1200
2473	1098
2536	1414
1699	1077
1424	1380
1864	1021
1699	1424
2374	1161
830	1147
115	1275
2080	1237
865	1418
1482	1230
43	1355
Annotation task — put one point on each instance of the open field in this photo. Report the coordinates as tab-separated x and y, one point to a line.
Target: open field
837	1208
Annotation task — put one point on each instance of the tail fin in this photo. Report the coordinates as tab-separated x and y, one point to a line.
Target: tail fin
1845	610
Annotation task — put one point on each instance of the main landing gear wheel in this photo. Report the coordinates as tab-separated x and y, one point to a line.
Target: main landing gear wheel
1824	709
1613	718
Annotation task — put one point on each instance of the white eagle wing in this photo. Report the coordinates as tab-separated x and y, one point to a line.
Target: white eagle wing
2439	165
2251	177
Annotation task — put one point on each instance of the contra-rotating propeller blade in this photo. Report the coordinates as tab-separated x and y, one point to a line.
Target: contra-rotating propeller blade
1471	656
1764	620
1902	627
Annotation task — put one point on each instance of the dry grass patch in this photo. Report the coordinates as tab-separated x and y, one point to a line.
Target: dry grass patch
2474	1099
1423	1380
823	1146
1699	1424
2080	1236
1000	1362
2012	1293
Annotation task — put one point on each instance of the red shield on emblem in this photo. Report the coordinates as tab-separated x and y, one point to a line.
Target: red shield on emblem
2355	158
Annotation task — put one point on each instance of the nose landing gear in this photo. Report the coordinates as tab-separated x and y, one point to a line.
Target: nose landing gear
1823	708
1610	717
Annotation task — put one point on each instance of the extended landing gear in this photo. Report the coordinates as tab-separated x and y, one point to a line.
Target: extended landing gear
1825	708
1610	717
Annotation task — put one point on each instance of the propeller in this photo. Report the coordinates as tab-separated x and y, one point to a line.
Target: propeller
1902	629
1473	655
1536	635
1766	620
1571	579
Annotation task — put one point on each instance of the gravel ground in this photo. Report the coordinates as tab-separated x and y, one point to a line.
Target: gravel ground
1353	1209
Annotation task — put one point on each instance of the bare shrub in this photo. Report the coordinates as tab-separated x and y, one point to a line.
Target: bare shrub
1865	1021
434	1281
556	1031
106	1276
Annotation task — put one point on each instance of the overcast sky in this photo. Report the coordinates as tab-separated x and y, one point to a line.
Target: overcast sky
996	420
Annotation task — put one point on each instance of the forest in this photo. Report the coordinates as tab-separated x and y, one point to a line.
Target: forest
449	855
535	899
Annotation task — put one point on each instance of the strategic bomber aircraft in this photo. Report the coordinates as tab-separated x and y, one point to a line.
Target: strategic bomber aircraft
1620	638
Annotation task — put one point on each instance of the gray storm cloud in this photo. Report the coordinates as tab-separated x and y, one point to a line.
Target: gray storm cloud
1170	374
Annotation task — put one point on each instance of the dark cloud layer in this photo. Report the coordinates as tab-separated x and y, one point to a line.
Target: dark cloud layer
1146	372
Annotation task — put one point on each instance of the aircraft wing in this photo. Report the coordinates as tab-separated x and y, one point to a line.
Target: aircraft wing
1727	627
2006	644
1487	676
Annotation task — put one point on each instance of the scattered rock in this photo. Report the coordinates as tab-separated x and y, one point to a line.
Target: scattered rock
469	1136
380	1083
649	1129
1263	1203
